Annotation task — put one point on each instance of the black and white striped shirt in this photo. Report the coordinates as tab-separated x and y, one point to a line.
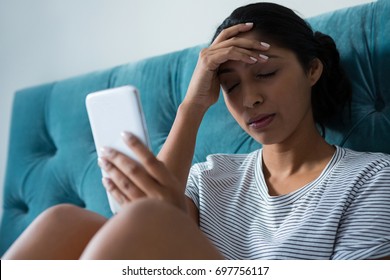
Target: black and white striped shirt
343	214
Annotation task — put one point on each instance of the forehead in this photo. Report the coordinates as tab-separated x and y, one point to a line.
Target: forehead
256	35
275	53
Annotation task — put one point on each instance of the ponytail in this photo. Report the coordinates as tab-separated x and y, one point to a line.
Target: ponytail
332	92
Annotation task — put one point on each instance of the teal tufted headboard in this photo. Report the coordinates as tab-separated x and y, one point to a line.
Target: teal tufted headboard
52	158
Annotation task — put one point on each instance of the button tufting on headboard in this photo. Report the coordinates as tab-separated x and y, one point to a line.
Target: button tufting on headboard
22	206
379	104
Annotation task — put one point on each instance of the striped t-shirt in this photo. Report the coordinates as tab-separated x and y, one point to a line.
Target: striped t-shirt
343	214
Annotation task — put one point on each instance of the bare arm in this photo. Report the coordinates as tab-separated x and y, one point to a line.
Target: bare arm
178	150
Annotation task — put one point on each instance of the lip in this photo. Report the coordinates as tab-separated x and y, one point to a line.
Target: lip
261	121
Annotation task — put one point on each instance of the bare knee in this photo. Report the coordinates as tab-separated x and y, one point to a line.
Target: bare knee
60	232
61	209
152	212
143	217
163	231
69	213
151	229
58	213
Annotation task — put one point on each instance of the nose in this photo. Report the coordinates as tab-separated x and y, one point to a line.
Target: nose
252	97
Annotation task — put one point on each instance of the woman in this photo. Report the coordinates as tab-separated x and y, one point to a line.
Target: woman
296	198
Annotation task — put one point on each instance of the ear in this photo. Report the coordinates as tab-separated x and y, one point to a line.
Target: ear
315	71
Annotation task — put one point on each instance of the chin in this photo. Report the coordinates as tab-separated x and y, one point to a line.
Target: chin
264	140
264	137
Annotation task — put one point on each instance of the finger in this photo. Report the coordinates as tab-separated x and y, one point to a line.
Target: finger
217	57
114	191
238	53
232	31
123	170
238	49
118	179
243	43
152	165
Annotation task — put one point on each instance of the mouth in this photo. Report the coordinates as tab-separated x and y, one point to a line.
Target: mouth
261	121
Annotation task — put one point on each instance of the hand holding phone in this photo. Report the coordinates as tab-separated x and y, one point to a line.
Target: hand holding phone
110	113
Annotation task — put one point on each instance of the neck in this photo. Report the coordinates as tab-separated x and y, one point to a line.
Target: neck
302	152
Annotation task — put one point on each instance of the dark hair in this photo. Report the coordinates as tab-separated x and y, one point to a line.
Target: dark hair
281	26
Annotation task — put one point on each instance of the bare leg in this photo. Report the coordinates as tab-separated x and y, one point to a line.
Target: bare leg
150	229
61	232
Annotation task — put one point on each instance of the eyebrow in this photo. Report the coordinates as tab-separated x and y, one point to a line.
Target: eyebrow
229	70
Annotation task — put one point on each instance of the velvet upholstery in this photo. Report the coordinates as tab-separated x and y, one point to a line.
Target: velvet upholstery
52	158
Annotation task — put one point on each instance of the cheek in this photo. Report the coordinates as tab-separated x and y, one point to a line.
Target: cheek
232	103
296	96
234	106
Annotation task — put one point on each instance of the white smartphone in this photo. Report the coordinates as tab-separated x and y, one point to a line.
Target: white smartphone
111	112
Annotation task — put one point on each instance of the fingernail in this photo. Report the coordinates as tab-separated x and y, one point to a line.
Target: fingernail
127	135
121	199
107	184
264	57
253	58
106	151
103	163
249	23
264	44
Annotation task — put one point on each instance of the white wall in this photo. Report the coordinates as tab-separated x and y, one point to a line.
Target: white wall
46	40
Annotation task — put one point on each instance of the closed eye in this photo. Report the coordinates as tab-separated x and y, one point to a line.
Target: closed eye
230	89
258	76
266	75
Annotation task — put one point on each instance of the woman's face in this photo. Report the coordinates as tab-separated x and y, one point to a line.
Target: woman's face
271	101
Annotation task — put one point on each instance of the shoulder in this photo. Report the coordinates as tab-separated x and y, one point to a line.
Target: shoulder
216	164
368	160
362	168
